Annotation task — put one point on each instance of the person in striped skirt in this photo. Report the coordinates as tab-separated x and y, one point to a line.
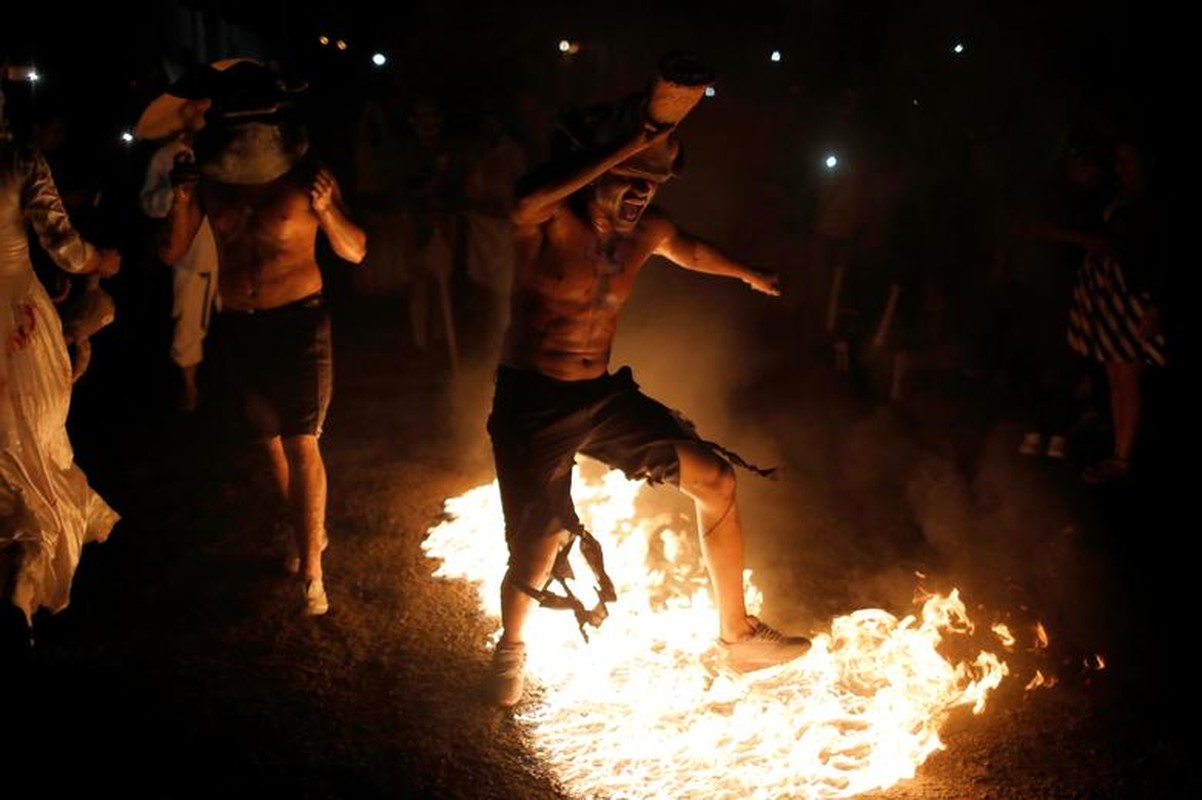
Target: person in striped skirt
1115	315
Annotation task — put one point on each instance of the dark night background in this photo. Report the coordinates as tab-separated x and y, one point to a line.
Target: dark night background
974	134
226	692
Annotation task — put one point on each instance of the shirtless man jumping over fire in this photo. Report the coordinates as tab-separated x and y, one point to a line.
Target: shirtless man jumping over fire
582	233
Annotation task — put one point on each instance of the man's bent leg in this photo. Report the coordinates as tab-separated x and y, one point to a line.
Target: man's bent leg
710	481
307	499
530	565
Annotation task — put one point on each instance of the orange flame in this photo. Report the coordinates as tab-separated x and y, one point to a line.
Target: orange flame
637	713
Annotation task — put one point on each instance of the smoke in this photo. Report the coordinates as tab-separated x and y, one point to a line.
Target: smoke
874	499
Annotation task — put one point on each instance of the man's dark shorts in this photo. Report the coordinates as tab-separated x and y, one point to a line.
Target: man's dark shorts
538	425
279	364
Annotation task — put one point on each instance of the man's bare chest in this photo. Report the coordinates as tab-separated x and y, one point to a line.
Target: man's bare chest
588	275
275	211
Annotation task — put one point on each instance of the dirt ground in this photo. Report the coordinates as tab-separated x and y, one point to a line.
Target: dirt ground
183	667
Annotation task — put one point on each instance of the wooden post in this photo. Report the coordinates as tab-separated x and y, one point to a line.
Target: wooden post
832	307
886	321
901	369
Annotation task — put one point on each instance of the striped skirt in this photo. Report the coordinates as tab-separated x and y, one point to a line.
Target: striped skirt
1103	323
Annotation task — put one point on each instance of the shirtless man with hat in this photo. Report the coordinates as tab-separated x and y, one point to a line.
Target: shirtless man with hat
583	231
267	199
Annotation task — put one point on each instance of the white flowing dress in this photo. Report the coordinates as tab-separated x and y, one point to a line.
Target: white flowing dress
47	509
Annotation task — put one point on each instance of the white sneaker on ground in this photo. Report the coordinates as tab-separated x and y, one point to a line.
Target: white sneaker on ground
763	647
316	601
507	675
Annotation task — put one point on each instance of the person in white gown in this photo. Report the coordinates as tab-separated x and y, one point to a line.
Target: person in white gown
48	512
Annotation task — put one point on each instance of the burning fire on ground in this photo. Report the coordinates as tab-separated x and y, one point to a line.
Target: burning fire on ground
640	712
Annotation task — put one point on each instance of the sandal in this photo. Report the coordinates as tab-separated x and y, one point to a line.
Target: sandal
1105	471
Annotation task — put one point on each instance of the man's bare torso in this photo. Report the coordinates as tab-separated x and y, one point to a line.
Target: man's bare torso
266	236
569	285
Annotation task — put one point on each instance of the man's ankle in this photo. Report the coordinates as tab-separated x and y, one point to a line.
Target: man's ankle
736	629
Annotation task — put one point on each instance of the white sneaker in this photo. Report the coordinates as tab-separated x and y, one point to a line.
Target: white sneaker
1058	448
316	602
507	675
764	647
1032	444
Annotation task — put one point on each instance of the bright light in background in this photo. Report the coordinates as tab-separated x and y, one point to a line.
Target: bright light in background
831	161
379	59
564	45
127	137
775	55
340	44
710	91
323	40
23	72
958	48
915	101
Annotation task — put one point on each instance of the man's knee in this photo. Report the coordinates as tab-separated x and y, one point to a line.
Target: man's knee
302	448
530	562
705	475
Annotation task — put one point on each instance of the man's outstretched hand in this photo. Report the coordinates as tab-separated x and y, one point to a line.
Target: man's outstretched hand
763	281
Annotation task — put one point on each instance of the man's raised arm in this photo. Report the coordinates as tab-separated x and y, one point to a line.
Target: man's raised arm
538	203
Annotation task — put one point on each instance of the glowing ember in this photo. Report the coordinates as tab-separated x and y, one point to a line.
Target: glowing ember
1041	636
1039	681
637	713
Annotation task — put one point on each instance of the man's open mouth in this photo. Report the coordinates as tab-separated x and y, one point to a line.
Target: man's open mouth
630	212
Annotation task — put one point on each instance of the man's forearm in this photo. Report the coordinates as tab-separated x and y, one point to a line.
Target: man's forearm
699	256
712	261
346	238
535	204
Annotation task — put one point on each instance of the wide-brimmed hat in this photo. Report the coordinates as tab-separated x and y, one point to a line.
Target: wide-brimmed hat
660	162
234	87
